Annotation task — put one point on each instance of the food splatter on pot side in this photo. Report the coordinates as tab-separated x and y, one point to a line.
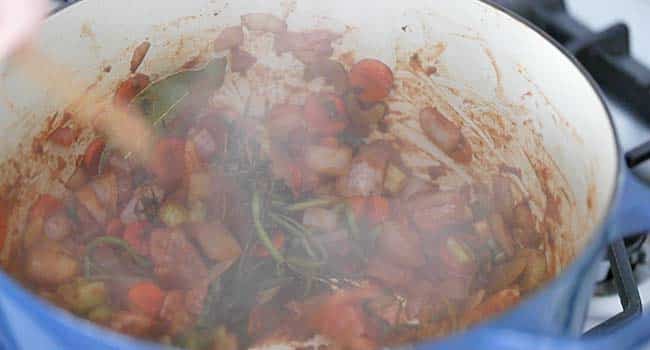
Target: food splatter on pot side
358	203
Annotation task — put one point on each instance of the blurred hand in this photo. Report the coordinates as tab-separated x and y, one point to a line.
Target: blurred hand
19	19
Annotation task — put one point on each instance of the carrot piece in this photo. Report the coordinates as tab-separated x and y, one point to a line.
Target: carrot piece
358	206
93	155
146	297
114	227
63	136
378	209
278	242
133	234
45	206
371	79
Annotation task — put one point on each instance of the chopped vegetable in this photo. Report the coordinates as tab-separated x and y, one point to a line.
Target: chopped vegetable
173	214
216	241
400	246
261	232
395	179
138	55
378	209
371	79
176	260
325	114
146	297
167	161
88	198
58	226
332	161
131	323
101	314
48	263
322	219
224	340
134	235
229	38
83	296
93	155
307	46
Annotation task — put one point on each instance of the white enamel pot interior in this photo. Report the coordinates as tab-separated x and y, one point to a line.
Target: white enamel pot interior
491	70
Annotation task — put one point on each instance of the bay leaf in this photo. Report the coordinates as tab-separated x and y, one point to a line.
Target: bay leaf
160	100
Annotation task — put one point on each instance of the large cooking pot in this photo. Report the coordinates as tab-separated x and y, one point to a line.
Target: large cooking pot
481	53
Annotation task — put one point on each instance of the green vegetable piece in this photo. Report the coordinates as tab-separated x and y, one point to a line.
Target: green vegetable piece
142	261
100	314
173	214
90	295
261	232
82	296
160	100
352	222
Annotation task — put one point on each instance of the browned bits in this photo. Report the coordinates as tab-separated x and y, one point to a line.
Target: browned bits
129	88
264	22
138	55
63	136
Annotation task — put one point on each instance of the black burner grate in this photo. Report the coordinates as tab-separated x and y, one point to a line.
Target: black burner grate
605	54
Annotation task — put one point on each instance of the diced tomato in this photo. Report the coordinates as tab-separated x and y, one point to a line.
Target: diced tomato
371	79
168	161
325	114
45	206
341	317
146	297
457	257
114	227
378	209
93	155
134	235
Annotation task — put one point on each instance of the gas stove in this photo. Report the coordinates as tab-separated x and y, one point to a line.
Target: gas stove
611	42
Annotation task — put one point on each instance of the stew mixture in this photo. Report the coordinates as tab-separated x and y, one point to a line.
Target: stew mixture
301	227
